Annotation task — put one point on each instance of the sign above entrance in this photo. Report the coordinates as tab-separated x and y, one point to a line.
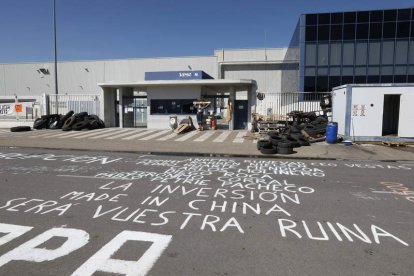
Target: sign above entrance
177	75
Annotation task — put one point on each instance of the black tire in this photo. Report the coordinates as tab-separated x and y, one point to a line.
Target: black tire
268	150
273	134
40	123
293	142
302	142
81	125
284	144
64	118
94	124
20	129
53	122
70	122
91	118
101	124
294	129
275	141
81	115
285	150
264	144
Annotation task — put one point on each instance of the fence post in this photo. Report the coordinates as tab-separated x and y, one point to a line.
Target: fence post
45	104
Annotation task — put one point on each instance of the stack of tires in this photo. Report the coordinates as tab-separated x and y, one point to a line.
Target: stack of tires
282	142
70	121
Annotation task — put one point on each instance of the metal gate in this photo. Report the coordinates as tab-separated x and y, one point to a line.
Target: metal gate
78	103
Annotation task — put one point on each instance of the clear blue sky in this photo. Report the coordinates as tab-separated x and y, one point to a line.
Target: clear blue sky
112	29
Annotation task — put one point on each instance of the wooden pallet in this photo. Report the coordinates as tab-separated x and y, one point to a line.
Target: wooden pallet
394	144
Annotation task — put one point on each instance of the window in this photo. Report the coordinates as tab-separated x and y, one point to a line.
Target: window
373	71
347	79
310	52
324	18
334	82
389	30
373	79
403	29
360	71
173	106
323	32
310	84
335	71
361	53
336	32
311	19
348	54
349	17
401	52
387	52
322	84
412	29
347	71
310	33
376	16
360	79
362	31
337	18
411	57
386	79
349	31
336	52
322	71
362	17
375	31
310	71
390	15
387	70
404	14
400	70
322	54
374	53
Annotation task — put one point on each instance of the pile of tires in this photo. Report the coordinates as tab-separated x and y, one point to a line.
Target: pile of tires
282	142
69	121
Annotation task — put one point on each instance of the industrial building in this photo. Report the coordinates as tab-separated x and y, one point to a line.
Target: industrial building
327	50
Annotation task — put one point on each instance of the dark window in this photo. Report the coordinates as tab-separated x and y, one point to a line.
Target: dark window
323	32
311	32
390	15
360	79
337	18
386	79
322	84
375	31
362	17
334	82
311	19
347	79
173	106
403	29
401	52
389	29
336	32
373	79
410	78
412	29
349	17
404	14
310	84
376	16
400	78
324	18
349	31
362	31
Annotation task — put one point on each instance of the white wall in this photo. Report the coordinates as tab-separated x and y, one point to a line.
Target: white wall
339	109
161	93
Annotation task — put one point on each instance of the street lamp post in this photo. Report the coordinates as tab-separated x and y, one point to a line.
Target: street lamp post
55	44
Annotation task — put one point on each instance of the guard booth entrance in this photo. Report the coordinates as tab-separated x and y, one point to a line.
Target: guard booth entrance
134	111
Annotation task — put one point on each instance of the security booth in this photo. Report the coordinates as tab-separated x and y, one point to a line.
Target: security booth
374	112
151	103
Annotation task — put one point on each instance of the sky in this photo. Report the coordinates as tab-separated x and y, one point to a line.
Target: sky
118	29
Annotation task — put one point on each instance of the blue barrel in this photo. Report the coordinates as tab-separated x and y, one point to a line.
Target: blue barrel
332	133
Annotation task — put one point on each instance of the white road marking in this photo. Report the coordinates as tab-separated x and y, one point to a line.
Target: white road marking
239	137
187	136
172	135
93	133
130	132
155	135
205	136
223	136
109	133
140	134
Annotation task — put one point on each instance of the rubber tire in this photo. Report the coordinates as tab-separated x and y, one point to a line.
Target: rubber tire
303	142
40	123
64	118
264	144
275	141
20	128
284	150
284	144
70	122
293	142
271	150
81	125
81	115
273	134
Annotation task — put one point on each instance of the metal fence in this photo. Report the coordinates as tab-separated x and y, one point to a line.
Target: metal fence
283	103
78	103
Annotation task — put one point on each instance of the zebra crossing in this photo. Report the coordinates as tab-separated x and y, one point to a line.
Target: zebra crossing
123	134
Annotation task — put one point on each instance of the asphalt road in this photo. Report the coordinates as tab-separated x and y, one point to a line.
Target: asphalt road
84	213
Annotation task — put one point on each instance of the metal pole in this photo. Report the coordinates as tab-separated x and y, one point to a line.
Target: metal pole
55	44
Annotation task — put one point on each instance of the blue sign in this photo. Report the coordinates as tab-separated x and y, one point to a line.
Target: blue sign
177	75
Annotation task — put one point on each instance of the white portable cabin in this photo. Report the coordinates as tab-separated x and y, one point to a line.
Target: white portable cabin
374	112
